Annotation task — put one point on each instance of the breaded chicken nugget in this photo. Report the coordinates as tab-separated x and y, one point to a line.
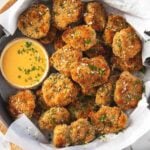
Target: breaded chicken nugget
61	136
105	93
53	117
128	91
66	12
95	16
132	64
35	21
22	102
109	120
50	37
115	24
81	132
89	73
63	59
82	107
81	37
59	43
126	43
59	90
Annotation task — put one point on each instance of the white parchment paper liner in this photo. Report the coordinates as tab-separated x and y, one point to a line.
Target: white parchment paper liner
4	145
8	19
23	132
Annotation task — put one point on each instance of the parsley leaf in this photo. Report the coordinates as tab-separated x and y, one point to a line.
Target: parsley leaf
28	44
94	68
87	41
103	118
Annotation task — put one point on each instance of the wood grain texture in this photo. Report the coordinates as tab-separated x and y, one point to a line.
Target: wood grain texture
7	5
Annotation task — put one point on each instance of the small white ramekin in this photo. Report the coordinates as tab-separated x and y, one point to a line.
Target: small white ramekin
28	86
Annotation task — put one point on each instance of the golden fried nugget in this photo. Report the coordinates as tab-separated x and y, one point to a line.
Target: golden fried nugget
132	64
53	117
128	91
61	137
63	59
81	37
89	73
35	21
22	102
109	120
82	107
126	44
59	90
105	93
115	24
50	37
66	12
95	16
81	132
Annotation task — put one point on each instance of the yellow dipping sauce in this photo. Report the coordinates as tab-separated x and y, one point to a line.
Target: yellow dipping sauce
24	63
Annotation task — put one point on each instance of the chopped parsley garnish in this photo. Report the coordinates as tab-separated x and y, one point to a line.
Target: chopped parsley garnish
33	55
28	44
33	68
19	76
20	69
94	68
87	41
27	71
103	118
26	80
119	43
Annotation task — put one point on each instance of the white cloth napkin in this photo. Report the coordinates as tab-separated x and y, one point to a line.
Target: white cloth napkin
8	19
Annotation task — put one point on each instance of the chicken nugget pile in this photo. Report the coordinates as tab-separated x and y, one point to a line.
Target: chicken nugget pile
95	56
